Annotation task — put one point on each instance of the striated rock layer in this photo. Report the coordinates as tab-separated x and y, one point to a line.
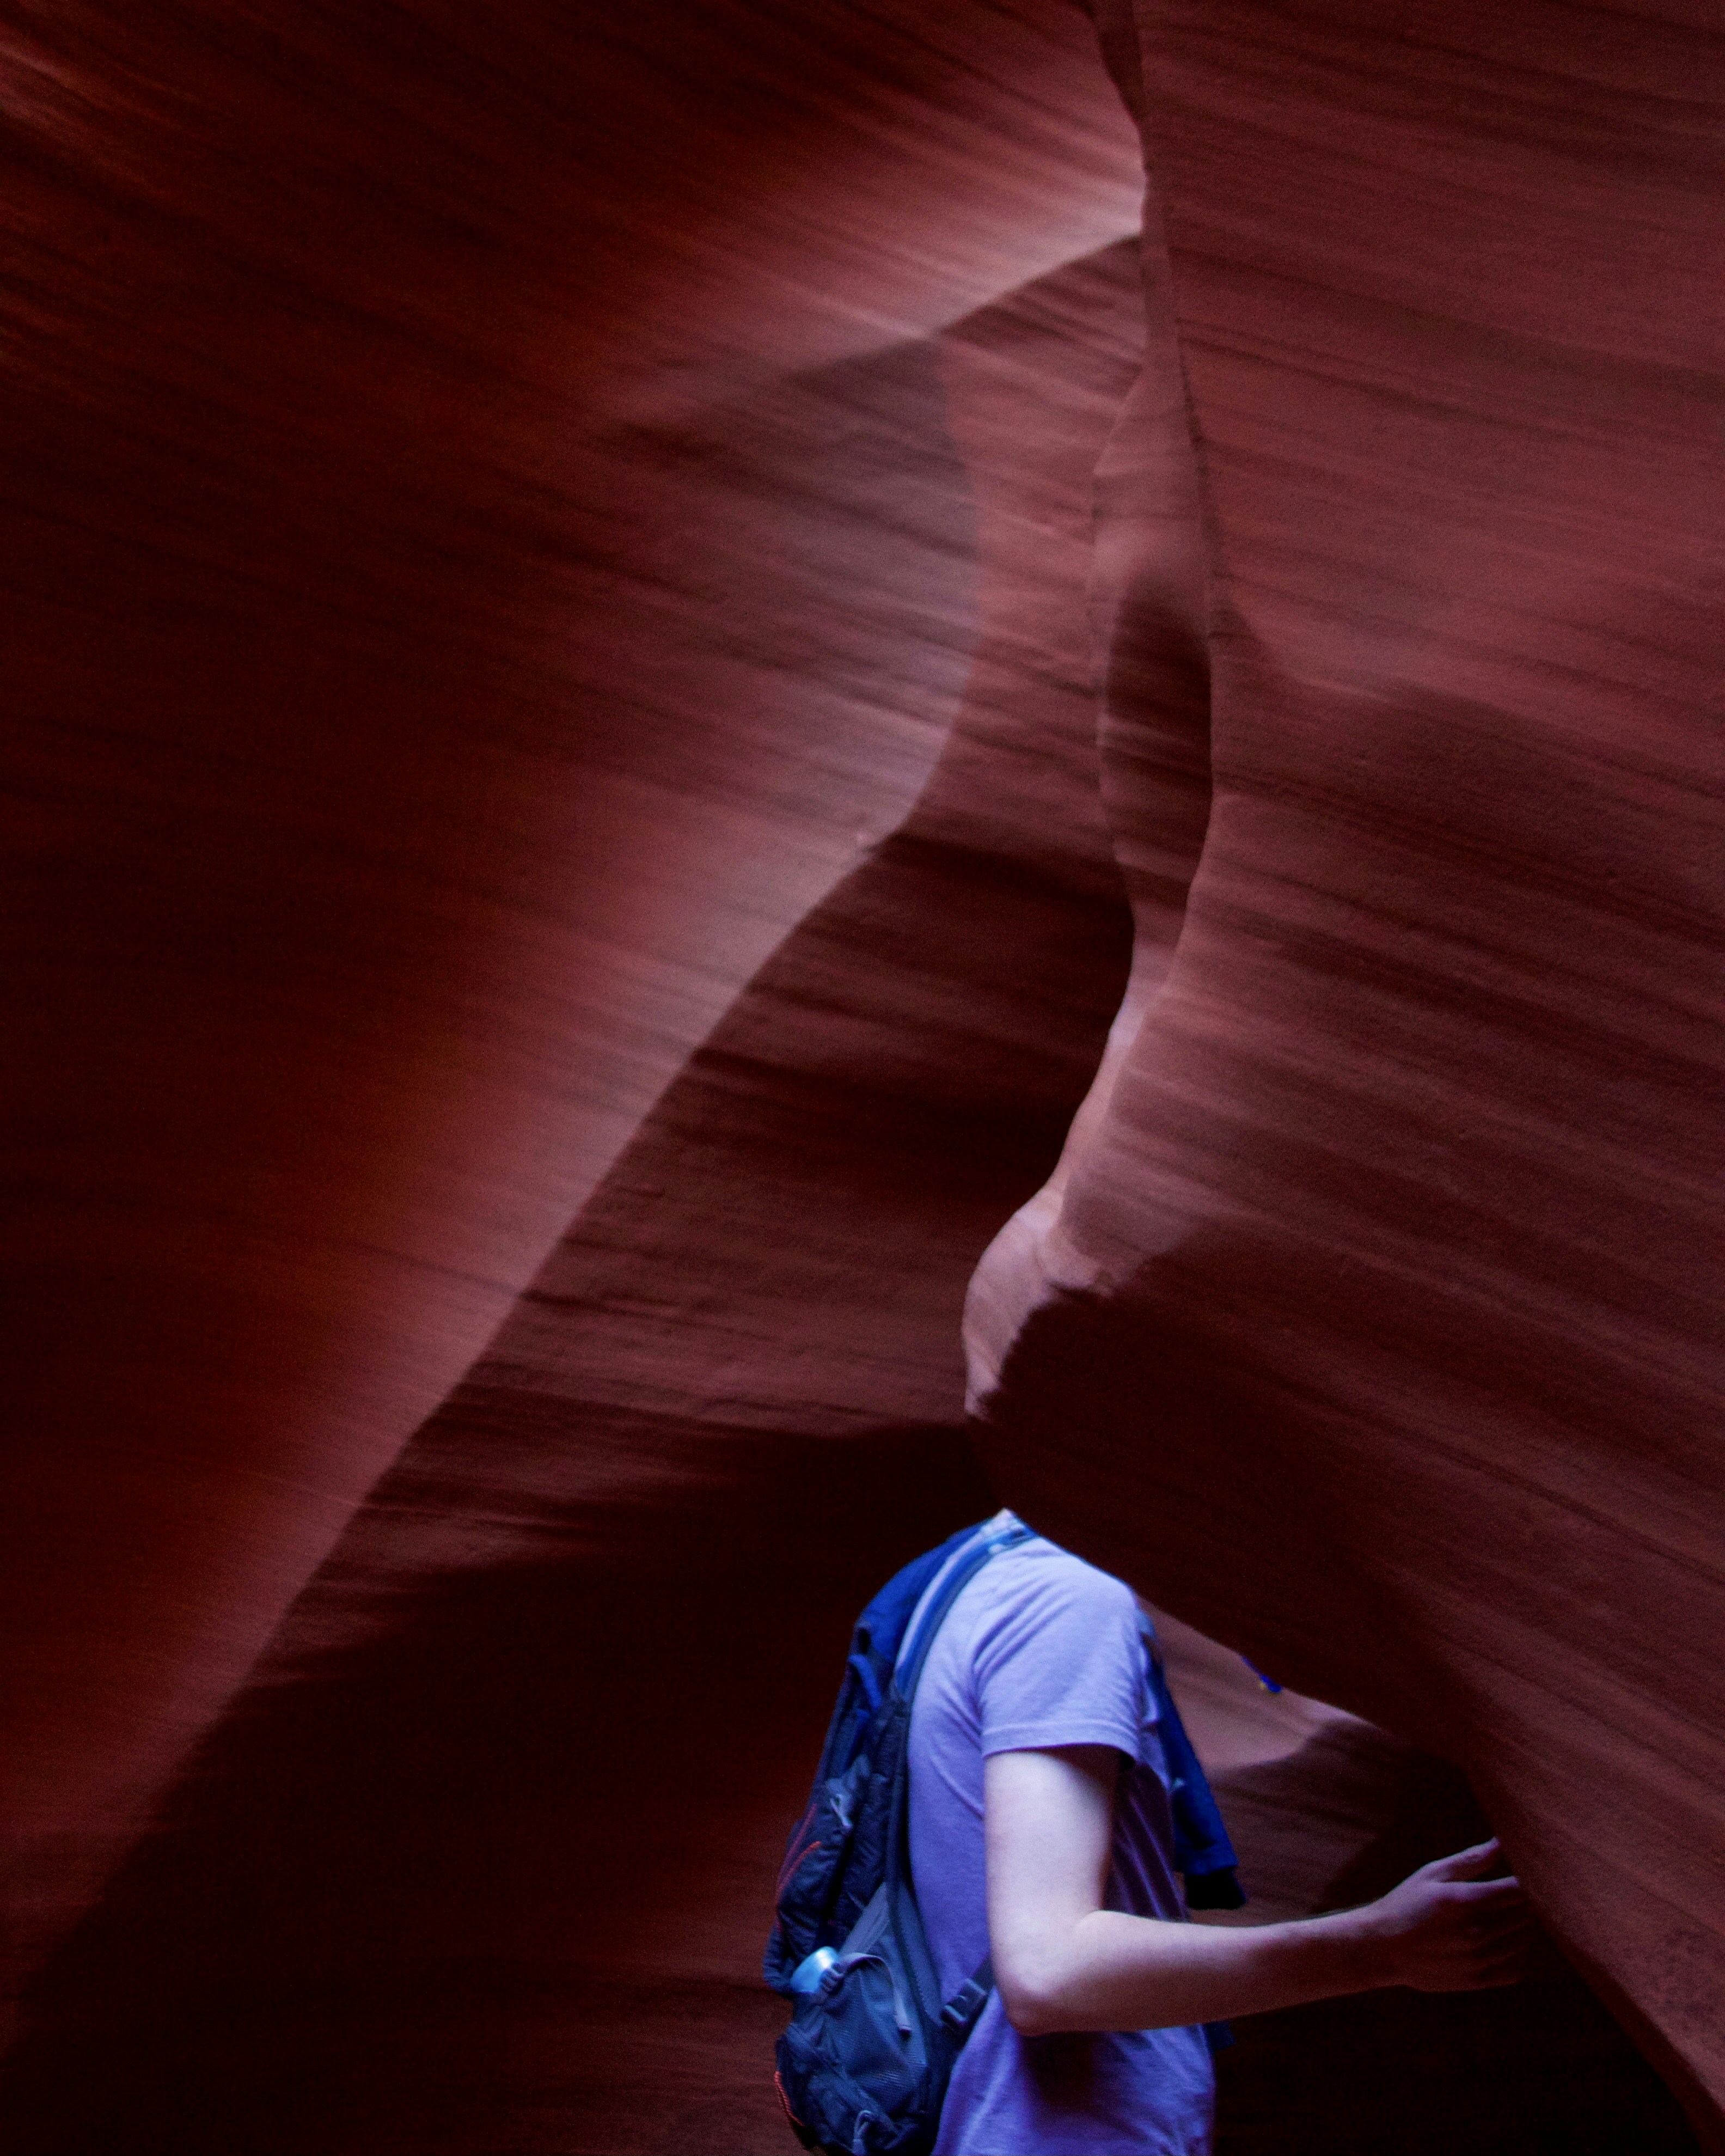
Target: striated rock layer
1372	1315
482	558
480	1858
483	1856
502	543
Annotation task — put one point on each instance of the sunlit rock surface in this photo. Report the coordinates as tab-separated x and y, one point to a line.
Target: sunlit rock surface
473	581
512	519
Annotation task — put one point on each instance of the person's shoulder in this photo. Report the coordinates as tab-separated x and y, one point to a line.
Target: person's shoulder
1040	1574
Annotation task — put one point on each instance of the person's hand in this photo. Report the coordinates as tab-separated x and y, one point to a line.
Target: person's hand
1448	1928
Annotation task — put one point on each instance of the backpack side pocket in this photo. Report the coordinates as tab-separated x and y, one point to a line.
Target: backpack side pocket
809	1876
853	2076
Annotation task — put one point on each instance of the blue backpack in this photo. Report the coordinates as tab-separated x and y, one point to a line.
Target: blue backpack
863	2067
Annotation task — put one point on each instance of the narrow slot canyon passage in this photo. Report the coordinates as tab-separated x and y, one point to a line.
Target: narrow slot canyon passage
642	647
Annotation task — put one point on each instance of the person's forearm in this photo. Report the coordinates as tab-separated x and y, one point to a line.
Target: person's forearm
1119	1971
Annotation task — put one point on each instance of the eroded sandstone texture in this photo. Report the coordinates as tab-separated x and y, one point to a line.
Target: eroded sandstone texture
1373	1314
512	517
464	605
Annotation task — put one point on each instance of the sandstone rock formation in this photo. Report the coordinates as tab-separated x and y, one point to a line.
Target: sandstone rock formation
461	614
1386	1252
480	592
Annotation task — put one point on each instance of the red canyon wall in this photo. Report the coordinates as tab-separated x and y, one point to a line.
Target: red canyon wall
1386	1253
511	519
460	613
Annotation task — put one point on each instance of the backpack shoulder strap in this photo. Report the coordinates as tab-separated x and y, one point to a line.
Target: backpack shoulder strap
988	1540
959	2015
1201	1850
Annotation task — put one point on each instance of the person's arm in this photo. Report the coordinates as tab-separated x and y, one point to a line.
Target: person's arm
1063	1962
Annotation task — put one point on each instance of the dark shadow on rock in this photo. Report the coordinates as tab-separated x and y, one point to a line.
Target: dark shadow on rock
482	1858
417	1893
1539	2069
478	1863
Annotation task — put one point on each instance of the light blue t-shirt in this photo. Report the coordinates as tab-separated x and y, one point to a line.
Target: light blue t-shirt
1040	1649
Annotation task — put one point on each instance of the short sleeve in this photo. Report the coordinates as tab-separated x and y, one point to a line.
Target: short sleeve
1058	1658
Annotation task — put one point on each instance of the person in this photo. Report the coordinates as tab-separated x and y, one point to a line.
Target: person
1041	1833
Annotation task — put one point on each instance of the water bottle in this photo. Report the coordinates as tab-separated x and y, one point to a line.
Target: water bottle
805	1978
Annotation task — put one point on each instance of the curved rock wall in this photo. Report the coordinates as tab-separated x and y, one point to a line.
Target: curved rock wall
1386	1254
502	545
475	579
482	1855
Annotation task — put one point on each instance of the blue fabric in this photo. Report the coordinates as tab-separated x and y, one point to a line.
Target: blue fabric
867	2073
1201	1849
838	1853
865	2064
